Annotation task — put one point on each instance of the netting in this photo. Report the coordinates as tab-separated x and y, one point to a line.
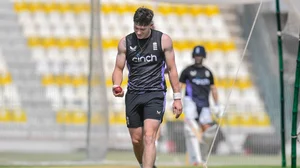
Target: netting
292	27
219	2
248	133
98	105
291	33
53	100
56	101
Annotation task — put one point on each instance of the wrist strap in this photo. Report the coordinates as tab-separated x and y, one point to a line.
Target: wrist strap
114	86
176	96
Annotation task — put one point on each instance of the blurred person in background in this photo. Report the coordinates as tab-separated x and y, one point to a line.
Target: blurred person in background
146	52
198	82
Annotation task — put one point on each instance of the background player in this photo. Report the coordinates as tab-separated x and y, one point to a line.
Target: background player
198	81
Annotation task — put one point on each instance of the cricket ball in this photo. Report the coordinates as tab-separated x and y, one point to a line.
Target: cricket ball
118	90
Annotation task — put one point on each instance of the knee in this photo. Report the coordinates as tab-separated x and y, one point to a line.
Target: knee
137	140
149	139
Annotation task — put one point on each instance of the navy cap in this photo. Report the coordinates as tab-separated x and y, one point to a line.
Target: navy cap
199	51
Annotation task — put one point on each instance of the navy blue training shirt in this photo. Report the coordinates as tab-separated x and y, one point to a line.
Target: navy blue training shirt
198	81
146	63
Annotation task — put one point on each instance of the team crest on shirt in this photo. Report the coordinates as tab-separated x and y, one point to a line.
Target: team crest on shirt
207	74
132	48
155	46
193	73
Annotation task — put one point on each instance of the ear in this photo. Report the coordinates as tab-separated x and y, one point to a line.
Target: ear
152	25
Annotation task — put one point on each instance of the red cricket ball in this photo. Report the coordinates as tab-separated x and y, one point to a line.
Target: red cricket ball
118	90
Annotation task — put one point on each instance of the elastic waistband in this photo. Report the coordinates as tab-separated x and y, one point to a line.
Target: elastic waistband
143	92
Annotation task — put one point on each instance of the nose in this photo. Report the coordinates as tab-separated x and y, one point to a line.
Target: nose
138	32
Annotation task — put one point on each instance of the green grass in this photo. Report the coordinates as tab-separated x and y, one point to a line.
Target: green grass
122	166
117	159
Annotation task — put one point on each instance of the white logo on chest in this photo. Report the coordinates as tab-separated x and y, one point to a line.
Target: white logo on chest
132	48
198	81
147	58
193	73
155	46
207	74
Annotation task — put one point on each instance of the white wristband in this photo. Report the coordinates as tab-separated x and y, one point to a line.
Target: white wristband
114	86
176	96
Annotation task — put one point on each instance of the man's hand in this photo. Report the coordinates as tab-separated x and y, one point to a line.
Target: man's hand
177	108
117	91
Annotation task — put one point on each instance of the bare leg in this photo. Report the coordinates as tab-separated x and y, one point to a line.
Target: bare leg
205	127
150	131
156	142
193	135
137	142
208	136
158	134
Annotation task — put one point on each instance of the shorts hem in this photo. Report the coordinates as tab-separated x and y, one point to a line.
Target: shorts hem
133	126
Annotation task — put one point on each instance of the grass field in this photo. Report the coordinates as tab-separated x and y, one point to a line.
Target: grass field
120	166
117	159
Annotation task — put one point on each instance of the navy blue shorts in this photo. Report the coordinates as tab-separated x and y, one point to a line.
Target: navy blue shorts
149	105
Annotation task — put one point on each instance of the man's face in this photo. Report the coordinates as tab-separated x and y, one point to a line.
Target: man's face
142	31
198	59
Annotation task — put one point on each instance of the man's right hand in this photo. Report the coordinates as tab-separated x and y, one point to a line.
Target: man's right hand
116	92
218	110
177	108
